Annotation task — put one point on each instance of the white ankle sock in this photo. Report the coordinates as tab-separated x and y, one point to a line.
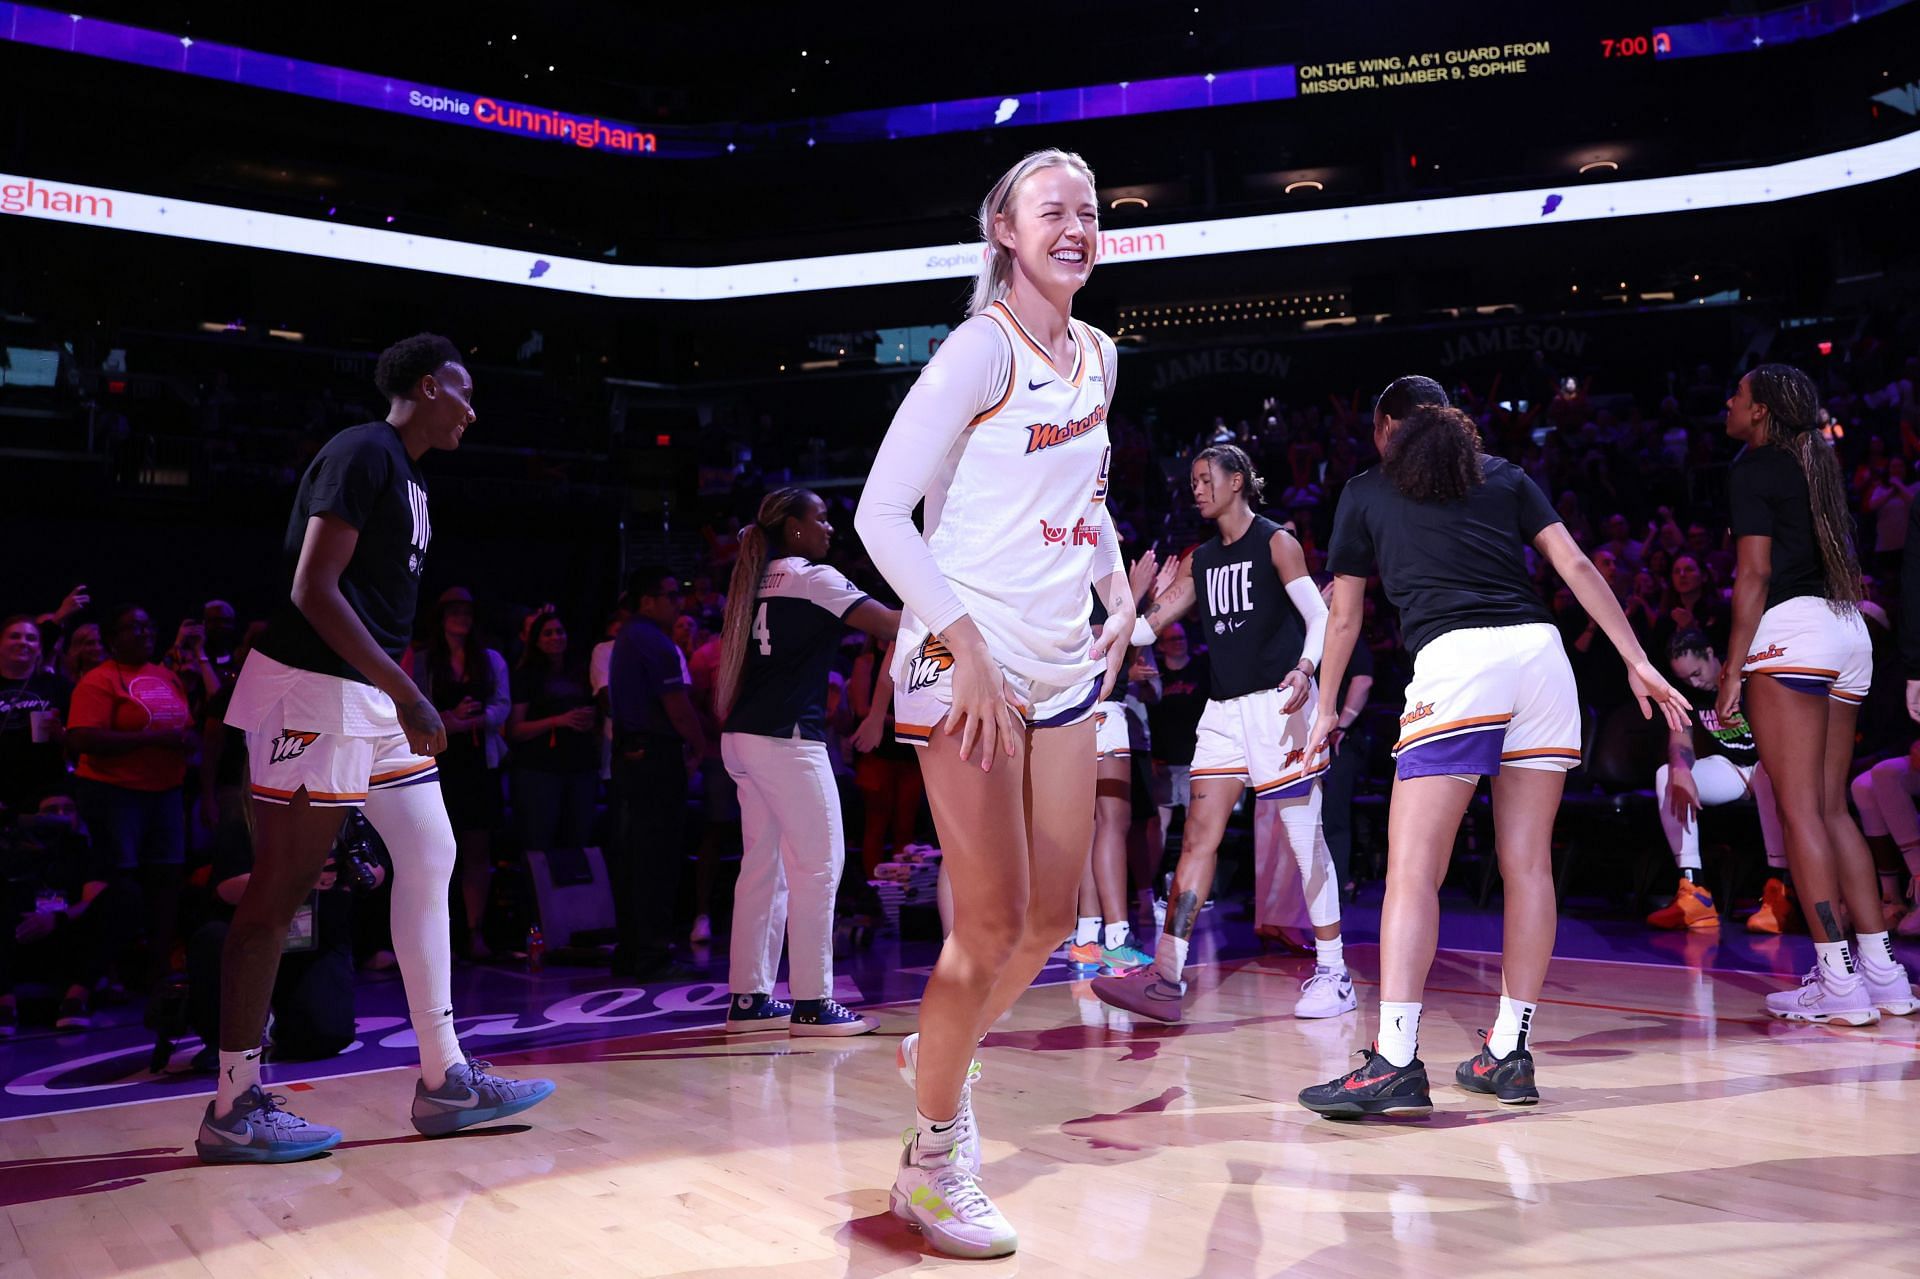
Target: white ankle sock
935	1143
1510	1028
1330	953
1836	964
1876	950
238	1072
1399	1032
439	1046
1116	935
1087	930
1170	956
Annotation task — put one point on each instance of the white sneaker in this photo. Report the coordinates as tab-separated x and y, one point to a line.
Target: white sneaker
941	1199
907	1060
1821	999
1326	994
1890	989
702	929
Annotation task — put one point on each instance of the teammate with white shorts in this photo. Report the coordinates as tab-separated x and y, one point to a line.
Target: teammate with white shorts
1446	527
332	723
1807	665
997	671
1264	620
786	612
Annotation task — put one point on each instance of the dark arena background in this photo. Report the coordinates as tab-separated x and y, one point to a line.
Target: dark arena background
690	257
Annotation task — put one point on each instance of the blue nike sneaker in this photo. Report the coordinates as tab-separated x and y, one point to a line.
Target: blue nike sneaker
472	1096
258	1131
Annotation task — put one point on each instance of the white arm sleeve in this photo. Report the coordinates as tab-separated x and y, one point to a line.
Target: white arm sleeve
1313	611
967	376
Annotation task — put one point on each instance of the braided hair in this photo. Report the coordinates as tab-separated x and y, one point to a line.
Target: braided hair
1233	459
1793	407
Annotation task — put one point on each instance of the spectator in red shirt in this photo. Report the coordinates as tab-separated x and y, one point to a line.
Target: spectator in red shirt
132	730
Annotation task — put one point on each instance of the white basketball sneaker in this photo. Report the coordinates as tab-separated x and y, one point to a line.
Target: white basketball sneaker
907	1059
1820	998
1890	989
937	1194
1326	994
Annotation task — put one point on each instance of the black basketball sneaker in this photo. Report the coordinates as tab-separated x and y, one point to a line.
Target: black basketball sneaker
1378	1087
1509	1078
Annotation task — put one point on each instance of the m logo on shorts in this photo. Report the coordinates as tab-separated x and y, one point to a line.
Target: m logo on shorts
292	745
927	665
1420	711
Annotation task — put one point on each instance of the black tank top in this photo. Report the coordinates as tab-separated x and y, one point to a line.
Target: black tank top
1252	630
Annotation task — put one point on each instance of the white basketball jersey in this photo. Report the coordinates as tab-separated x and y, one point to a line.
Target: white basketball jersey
1016	516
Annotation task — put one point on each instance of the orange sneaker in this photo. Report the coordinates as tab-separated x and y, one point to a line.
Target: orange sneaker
1778	913
1085	957
1692	907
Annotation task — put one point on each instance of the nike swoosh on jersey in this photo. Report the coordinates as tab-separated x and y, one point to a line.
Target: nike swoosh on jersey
1034	386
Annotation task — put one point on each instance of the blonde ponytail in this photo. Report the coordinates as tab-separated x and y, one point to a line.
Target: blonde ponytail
757	541
996	262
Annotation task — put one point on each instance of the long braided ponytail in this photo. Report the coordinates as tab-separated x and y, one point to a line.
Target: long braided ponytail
757	543
1793	405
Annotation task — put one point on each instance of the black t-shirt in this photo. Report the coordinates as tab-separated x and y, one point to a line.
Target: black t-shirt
1361	663
1711	737
1173	720
1446	566
1767	492
1254	634
29	772
46	856
547	693
796	629
364	476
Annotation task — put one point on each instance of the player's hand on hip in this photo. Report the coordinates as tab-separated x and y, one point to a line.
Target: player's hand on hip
1298	684
1727	705
983	713
426	735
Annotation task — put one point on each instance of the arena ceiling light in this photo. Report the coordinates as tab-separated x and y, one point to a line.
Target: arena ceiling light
1590	166
38	198
1304	184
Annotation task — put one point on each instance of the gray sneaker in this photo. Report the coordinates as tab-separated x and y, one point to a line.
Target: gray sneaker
472	1096
259	1132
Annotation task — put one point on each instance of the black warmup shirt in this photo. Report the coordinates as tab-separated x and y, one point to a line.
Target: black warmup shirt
1174	720
1711	737
1446	566
797	622
364	476
1253	632
1767	491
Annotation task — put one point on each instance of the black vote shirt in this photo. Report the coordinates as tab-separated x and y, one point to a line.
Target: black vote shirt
795	631
1446	566
1711	737
1767	492
1174	720
1253	632
364	476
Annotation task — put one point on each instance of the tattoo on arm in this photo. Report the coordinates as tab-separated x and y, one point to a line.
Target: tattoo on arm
1828	920
1684	754
1185	908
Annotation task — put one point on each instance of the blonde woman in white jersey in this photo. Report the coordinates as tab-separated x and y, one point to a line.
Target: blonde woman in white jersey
997	672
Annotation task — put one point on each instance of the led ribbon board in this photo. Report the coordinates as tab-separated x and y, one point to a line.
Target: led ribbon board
31	197
117	42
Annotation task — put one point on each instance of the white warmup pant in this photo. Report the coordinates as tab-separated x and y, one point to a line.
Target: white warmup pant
1884	794
1283	899
793	846
1719	781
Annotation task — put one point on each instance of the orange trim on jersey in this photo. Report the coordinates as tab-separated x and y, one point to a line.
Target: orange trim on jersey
1216	772
1478	721
1839	696
405	772
319	796
1100	357
1012	373
1794	670
1541	752
1079	345
912	730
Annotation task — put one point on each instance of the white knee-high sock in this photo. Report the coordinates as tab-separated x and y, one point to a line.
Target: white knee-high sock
1511	1027
412	823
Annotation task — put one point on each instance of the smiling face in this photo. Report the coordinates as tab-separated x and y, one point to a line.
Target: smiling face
444	401
1052	229
552	640
19	648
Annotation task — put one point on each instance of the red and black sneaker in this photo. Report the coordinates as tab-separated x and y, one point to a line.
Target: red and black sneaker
1509	1078
1378	1087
